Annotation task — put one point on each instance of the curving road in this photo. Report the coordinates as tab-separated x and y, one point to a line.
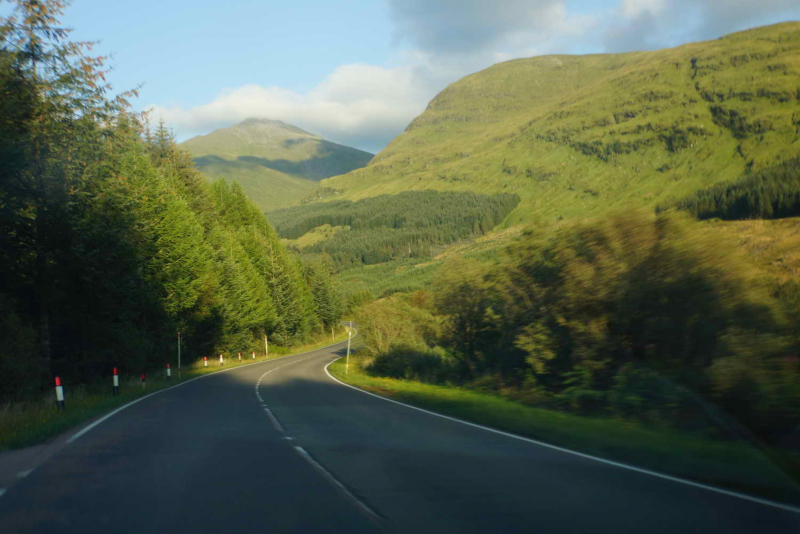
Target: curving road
281	447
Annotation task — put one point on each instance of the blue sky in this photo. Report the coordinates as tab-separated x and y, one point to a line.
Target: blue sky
357	72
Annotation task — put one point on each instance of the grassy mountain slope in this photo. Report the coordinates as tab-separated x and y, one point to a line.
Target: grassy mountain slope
276	163
582	136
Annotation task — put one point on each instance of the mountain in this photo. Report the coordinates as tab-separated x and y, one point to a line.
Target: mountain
275	163
582	136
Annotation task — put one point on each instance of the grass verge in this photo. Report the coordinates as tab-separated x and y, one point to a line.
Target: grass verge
29	423
736	466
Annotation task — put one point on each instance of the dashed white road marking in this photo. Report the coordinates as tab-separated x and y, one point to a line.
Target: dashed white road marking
269	413
80	433
23	474
2	491
333	480
744	496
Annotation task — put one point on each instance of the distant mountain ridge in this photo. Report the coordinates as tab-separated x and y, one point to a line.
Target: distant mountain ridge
276	163
583	136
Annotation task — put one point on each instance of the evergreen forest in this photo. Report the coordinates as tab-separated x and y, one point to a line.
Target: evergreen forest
413	224
112	242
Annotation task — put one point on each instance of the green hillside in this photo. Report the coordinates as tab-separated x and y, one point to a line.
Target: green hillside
276	163
583	136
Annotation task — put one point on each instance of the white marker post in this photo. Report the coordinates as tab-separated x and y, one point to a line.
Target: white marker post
254	355
221	360
115	382
60	393
347	361
266	346
240	357
179	356
333	337
205	361
144	384
169	373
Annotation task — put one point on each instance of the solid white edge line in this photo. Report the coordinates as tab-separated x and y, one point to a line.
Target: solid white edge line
80	433
328	475
774	504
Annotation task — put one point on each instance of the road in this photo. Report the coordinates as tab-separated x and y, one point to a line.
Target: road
280	447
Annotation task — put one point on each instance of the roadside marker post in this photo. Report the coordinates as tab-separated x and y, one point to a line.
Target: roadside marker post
115	384
205	361
347	361
169	374
266	346
179	356
240	357
60	394
254	355
221	360
144	384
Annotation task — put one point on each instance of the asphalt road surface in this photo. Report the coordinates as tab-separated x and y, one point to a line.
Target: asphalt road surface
280	447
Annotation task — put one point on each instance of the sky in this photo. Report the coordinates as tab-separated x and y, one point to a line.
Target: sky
358	71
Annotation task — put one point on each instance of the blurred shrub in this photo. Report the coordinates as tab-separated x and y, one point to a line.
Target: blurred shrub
432	366
636	317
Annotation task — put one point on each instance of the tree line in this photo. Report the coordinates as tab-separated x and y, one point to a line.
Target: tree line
771	193
111	240
412	224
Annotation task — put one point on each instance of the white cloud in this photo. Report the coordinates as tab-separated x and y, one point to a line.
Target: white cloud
366	106
652	24
357	105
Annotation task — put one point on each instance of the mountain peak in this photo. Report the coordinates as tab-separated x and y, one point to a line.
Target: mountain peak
276	163
258	123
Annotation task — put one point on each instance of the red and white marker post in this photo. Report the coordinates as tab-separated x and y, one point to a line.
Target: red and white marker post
144	384
205	361
254	355
60	394
240	356
221	360
169	373
115	383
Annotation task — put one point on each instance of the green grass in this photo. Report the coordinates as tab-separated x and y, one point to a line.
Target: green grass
29	423
382	279
584	136
318	234
733	465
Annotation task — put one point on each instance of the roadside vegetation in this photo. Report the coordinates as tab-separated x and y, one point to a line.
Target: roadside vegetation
649	322
113	242
37	420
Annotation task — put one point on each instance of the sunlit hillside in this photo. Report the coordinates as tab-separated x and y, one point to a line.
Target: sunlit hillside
275	163
580	136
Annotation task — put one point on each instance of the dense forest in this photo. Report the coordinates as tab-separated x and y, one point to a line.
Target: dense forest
771	193
413	224
635	317
112	242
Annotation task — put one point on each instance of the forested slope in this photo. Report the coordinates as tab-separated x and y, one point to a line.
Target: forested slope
112	242
416	224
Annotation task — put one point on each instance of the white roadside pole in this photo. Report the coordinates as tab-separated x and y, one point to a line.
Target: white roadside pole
266	346
347	360
179	355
